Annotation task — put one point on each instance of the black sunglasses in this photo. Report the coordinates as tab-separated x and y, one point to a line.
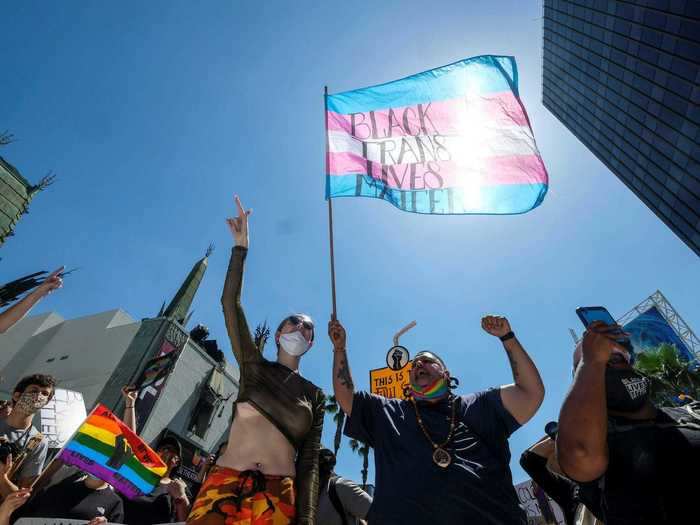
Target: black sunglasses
296	320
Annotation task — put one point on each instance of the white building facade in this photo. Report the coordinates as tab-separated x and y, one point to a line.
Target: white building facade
80	353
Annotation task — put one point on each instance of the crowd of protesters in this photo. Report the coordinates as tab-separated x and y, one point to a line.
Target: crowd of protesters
440	457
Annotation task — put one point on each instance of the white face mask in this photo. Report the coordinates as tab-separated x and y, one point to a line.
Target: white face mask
294	344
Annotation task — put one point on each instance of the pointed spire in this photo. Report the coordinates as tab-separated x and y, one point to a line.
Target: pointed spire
16	193
182	301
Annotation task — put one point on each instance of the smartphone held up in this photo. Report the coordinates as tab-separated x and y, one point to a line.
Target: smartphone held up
590	314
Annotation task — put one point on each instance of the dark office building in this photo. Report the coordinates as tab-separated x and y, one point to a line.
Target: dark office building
624	77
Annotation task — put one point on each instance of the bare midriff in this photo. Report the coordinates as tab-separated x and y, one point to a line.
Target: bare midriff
254	443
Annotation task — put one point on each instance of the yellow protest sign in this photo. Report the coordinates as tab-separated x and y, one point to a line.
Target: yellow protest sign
389	383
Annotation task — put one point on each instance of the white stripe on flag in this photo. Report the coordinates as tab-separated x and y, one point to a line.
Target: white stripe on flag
500	142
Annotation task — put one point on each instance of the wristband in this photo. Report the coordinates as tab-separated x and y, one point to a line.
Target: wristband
505	337
340	350
129	406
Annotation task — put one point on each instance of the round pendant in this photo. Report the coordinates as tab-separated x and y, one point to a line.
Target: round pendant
442	458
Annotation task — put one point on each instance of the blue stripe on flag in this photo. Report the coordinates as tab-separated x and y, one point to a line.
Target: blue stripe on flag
477	75
125	471
504	199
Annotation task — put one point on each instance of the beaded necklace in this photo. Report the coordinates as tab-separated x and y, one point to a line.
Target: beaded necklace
441	457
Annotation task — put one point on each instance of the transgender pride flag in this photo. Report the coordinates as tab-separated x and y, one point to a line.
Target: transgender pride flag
451	140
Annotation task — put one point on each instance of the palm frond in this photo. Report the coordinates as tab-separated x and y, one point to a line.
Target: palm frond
331	405
670	374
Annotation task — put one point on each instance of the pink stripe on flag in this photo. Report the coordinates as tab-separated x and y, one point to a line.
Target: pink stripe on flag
490	171
443	117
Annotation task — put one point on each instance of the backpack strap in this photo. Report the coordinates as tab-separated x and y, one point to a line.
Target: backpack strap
689	418
335	500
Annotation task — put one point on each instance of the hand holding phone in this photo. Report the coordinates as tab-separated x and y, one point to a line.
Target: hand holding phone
590	314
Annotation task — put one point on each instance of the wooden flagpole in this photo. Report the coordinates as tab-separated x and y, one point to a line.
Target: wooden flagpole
55	463
334	315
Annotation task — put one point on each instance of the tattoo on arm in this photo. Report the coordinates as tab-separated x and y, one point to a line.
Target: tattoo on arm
344	375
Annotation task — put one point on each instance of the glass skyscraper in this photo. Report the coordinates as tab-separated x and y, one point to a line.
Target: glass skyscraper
624	77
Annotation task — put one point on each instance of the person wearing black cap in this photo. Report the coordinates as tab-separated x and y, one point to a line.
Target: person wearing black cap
169	502
444	457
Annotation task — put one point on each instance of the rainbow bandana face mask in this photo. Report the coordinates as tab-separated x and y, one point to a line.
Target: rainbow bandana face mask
438	388
432	392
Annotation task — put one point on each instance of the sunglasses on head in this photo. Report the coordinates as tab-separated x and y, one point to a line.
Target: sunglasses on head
298	320
428	358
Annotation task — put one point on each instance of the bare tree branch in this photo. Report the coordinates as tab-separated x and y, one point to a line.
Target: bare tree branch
46	181
262	332
6	138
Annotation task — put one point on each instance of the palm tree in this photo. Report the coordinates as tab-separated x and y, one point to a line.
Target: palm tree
670	374
363	450
332	407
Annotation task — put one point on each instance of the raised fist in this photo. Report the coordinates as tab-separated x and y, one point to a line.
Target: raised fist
495	325
337	334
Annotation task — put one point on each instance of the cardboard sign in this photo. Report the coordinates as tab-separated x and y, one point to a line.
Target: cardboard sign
62	416
389	383
532	506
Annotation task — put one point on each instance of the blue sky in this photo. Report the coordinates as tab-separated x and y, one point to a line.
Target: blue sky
154	114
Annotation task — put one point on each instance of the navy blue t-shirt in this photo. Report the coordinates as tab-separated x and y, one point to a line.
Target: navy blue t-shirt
476	488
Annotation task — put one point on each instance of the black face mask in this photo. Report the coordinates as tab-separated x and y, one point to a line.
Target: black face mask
626	390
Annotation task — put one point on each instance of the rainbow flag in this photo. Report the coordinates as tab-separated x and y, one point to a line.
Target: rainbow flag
106	448
452	140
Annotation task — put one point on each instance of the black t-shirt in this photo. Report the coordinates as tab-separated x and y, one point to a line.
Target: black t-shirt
652	471
71	499
476	488
157	507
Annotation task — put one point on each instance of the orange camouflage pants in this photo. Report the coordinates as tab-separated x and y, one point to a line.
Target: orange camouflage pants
230	497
